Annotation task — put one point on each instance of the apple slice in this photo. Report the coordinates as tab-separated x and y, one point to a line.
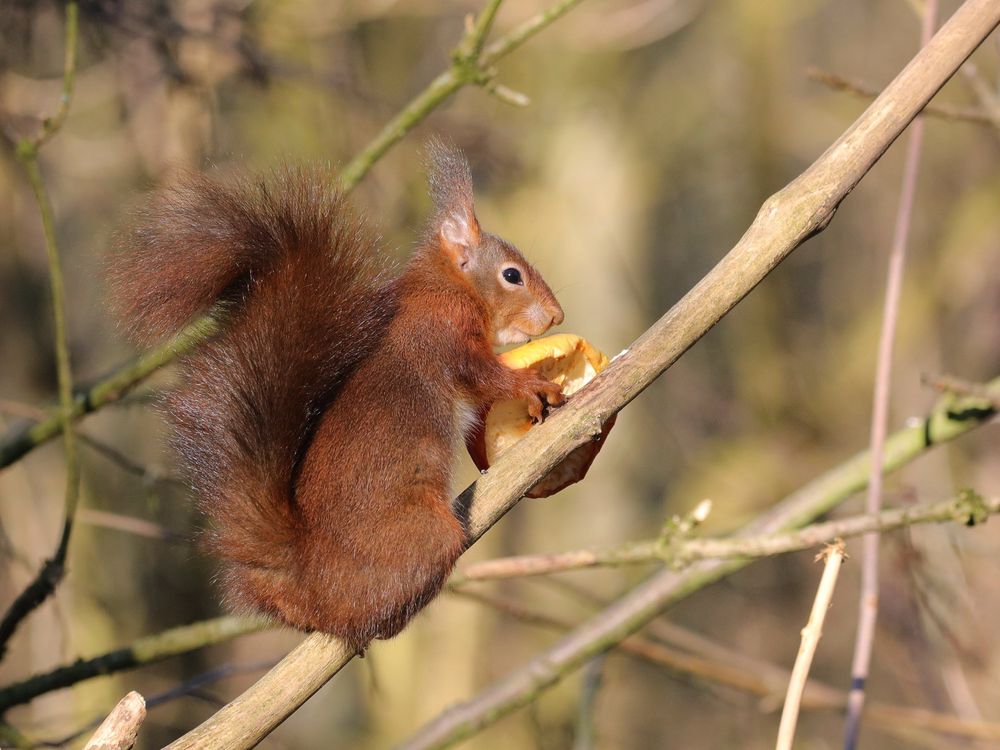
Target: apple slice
565	359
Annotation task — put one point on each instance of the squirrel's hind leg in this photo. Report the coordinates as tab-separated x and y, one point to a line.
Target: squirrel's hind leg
376	591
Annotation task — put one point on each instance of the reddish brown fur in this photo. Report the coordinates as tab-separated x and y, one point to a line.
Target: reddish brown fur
319	427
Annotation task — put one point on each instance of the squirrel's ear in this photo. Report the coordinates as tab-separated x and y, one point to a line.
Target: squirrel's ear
454	207
459	234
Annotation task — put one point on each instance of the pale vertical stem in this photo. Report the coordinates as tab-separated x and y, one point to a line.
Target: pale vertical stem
63	368
811	634
868	607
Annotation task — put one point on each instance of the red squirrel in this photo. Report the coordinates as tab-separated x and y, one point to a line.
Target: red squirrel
318	427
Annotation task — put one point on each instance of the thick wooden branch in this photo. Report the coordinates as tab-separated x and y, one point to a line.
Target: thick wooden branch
118	731
786	220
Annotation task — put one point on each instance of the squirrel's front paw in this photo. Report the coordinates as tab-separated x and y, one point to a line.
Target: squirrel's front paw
534	388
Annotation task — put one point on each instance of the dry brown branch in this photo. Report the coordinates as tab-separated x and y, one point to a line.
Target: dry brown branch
785	221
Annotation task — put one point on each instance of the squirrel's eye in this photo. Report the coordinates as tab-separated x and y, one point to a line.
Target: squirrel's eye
512	276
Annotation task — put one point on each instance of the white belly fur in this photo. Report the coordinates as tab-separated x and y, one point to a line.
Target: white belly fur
466	417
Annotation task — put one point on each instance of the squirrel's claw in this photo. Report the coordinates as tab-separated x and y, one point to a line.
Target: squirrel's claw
535	389
535	407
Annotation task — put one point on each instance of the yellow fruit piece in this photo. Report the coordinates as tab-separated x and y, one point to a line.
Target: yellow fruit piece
565	359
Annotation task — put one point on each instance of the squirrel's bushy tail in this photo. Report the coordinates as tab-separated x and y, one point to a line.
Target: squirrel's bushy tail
304	289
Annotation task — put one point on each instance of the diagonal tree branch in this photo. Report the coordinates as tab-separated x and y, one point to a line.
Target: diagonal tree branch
784	222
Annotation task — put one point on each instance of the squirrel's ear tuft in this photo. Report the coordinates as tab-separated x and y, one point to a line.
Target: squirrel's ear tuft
449	176
450	182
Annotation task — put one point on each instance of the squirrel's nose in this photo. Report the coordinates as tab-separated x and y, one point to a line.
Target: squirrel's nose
557	315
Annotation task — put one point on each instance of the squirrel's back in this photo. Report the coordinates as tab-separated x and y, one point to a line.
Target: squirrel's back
305	294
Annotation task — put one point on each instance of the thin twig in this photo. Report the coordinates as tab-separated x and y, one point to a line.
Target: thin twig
518	36
834	556
470	47
868	606
973	115
53	569
52	125
147	650
130	525
207	678
966	508
126	464
951	384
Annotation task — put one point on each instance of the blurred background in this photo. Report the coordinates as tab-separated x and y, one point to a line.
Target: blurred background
655	130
